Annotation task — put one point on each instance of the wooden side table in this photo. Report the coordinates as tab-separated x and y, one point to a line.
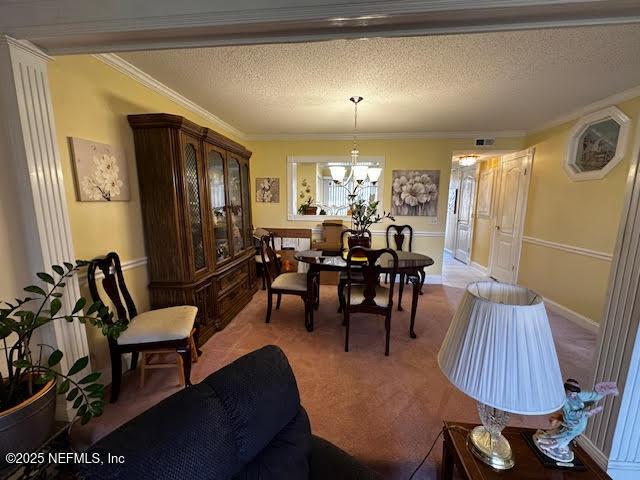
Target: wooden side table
527	467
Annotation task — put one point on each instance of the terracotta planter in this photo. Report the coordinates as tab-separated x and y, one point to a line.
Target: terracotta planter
359	241
310	210
26	426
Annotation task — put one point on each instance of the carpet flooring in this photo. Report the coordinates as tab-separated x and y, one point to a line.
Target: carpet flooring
386	411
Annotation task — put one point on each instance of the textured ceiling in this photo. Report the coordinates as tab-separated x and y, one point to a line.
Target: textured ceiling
450	83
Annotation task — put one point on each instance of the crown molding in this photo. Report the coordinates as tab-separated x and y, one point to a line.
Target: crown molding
25	46
614	99
147	80
383	135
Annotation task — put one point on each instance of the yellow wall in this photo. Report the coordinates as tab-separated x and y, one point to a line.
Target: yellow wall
91	101
270	159
483	227
582	214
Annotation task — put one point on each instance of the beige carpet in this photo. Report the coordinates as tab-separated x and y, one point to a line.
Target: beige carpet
384	410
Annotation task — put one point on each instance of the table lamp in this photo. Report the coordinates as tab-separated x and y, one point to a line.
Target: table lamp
499	351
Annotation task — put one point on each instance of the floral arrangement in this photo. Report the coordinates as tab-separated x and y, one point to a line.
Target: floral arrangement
415	193
104	183
27	372
364	213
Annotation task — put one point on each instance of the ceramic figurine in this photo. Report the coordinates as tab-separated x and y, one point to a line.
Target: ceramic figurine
568	424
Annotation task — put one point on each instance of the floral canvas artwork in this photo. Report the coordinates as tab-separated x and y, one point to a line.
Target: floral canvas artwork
415	193
101	171
268	190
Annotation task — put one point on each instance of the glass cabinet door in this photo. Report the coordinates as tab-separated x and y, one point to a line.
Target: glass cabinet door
235	203
193	198
215	171
246	203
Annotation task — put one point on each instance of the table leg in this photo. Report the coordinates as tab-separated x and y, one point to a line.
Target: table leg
446	467
310	300
400	289
415	280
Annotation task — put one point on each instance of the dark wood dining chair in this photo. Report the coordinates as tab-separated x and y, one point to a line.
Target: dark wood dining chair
344	247
258	233
288	283
160	329
367	295
396	239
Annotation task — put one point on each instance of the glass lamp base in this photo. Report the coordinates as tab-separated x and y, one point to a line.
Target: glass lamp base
487	443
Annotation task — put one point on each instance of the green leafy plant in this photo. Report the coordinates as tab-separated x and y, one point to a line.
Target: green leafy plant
20	318
364	213
302	209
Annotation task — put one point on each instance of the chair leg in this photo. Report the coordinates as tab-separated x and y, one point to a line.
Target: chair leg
387	326
194	349
346	322
185	353
269	302
116	375
264	282
316	295
278	301
180	365
423	277
134	360
143	363
341	299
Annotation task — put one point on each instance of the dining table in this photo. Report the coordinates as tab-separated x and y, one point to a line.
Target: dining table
410	264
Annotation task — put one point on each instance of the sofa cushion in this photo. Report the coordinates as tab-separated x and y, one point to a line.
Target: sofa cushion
286	456
260	396
187	435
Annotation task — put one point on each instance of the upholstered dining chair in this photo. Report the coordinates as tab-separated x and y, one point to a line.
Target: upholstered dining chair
365	294
287	283
258	233
395	237
344	247
160	329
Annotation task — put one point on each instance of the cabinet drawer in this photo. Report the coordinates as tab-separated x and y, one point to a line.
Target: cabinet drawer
231	277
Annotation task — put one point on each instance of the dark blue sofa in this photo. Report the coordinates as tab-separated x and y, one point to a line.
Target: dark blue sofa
243	422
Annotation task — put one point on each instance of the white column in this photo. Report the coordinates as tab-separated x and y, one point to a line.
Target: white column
613	437
29	157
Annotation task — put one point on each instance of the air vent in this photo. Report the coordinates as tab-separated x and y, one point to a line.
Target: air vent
485	142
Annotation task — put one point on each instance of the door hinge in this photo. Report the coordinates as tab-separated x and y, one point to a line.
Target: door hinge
525	172
513	267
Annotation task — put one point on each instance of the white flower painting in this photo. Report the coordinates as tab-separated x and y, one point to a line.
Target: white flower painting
101	171
415	193
268	190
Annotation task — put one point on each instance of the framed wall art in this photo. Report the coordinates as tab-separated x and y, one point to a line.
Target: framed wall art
268	190
101	173
596	144
415	193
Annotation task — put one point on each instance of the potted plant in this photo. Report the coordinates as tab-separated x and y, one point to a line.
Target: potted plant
364	213
28	391
307	208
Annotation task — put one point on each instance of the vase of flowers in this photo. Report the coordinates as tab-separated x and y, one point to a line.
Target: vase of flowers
307	208
364	213
28	391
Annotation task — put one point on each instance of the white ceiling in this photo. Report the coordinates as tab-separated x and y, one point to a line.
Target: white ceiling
450	83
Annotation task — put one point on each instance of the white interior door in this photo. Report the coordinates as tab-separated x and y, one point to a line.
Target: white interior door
515	172
452	211
464	224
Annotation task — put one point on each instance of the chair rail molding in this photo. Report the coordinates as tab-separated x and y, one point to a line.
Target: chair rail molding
30	158
615	431
568	248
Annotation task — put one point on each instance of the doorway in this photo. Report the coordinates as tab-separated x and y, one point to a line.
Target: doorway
485	215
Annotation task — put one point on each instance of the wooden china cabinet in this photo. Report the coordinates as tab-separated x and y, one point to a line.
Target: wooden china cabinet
196	208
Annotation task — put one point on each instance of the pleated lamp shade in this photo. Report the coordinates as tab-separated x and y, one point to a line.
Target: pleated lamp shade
499	350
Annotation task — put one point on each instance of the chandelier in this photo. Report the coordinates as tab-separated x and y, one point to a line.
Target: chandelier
358	172
468	160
